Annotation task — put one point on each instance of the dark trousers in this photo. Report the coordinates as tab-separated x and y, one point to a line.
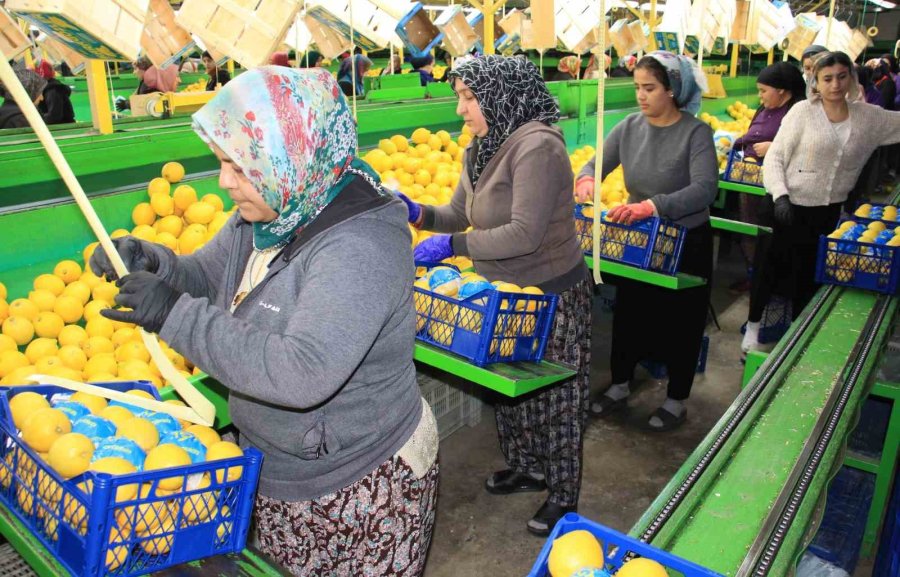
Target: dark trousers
664	325
543	432
787	259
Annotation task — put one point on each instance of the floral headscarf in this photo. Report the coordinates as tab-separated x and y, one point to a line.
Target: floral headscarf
511	93
687	81
569	64
291	132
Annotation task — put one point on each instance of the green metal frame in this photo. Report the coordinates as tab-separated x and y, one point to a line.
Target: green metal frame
678	281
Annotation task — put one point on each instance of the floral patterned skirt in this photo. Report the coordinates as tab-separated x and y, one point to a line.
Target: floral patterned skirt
379	526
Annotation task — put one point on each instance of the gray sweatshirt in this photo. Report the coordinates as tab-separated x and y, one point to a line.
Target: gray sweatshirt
318	357
674	166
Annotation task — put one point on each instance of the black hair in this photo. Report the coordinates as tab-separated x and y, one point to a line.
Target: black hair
654	67
206	54
892	62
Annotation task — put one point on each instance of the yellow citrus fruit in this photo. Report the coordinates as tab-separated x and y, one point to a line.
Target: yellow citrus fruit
18	329
68	308
167	240
173	171
184	196
116	554
435	142
67	270
170	224
133	350
94	403
19	376
162	205
141	431
3	291
97	345
199	212
117	466
573	551
42	299
144	232
40	348
200	507
423	177
149	516
93	308
464	140
72	335
88	251
118	233
225	450
158	185
4	310
24	404
43	427
11	361
122	336
420	135
70	454
73	357
23	308
217	223
641	567
206	435
214	200
117	414
99	326
90	279
163	544
50	365
141	393
105	291
163	457
50	282
190	241
7	343
78	290
101	363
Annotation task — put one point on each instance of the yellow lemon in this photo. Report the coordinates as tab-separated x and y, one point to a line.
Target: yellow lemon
162	205
97	345
42	299
132	350
68	308
144	232
213	200
116	555
199	212
388	146
117	414
122	336
163	457
200	507
100	363
573	551
43	427
48	324
94	403
434	142
642	567
420	135
400	142
118	233
90	279
190	241
51	283
149	516
170	224
105	291
225	450
70	454
141	431
11	361
99	326
423	177
18	329
78	290
40	348
157	186
93	308
117	466
73	357
206	435
3	292
143	213
67	270
184	196
50	366
173	171
167	240
88	251
24	404
4	310
7	343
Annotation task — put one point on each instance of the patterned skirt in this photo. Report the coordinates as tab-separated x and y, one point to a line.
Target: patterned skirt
379	526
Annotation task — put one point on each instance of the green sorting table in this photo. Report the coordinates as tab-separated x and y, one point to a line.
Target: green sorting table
675	282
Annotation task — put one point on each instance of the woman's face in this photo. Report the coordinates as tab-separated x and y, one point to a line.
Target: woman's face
470	110
652	96
807	67
233	180
833	82
771	97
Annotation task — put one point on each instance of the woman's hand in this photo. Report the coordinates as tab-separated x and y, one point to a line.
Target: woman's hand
784	211
584	189
628	213
133	255
149	297
415	210
434	248
761	148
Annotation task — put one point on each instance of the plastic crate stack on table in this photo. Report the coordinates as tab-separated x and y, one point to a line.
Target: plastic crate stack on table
114	489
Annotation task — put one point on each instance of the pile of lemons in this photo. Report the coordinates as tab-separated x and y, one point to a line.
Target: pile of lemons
612	190
82	432
740	112
198	86
579	554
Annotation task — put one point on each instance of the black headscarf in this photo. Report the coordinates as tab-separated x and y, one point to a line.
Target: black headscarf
511	93
784	76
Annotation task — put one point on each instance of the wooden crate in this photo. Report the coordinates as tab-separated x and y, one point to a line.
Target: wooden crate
741	19
12	40
372	27
641	34
803	34
164	41
841	35
99	29
459	36
859	41
330	43
298	36
248	31
574	21
539	32
417	32
590	41
621	39
478	25
60	52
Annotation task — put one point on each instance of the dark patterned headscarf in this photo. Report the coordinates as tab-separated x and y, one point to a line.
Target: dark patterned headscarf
511	93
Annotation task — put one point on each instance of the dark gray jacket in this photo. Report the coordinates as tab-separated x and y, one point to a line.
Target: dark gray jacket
318	357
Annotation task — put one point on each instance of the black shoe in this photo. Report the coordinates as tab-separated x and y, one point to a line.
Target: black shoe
607	405
546	517
669	421
508	481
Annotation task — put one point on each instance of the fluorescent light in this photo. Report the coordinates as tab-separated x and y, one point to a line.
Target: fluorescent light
884	3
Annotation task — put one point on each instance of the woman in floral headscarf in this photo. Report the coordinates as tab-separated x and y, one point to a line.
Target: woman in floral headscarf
569	68
302	306
670	169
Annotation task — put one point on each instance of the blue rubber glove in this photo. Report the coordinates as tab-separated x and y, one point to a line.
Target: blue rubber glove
434	249
415	209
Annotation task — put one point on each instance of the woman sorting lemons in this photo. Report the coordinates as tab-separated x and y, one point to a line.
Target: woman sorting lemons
302	306
516	193
669	162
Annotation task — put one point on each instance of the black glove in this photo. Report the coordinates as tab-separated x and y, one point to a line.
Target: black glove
122	104
150	298
784	211
133	253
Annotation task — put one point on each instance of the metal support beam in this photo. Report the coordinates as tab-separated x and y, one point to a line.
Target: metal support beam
101	112
734	60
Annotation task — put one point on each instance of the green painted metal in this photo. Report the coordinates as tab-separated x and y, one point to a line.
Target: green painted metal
212	390
754	361
510	379
745	188
737	226
27	545
675	282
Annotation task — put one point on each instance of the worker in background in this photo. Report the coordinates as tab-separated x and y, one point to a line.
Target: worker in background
882	81
516	194
346	71
56	107
152	79
395	66
217	76
810	169
424	66
592	70
302	306
568	68
314	58
780	86
625	69
807	59
671	171
280	59
11	116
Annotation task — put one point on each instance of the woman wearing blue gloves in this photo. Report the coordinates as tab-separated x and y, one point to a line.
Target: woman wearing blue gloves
516	194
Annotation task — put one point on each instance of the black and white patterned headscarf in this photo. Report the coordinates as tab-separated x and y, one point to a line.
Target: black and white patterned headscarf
511	93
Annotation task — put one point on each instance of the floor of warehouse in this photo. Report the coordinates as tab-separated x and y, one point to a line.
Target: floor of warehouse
625	467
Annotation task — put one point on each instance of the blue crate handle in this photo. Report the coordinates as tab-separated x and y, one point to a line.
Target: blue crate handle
609	538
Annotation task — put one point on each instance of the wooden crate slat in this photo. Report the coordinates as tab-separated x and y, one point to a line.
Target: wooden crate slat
163	40
12	40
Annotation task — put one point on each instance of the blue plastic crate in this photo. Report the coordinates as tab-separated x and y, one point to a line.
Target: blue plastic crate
488	327
843	524
419	35
92	533
863	265
740	171
658	370
871	429
887	561
875	207
776	320
615	548
651	244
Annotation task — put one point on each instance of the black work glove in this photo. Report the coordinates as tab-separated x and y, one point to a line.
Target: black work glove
149	297
133	253
122	104
784	212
